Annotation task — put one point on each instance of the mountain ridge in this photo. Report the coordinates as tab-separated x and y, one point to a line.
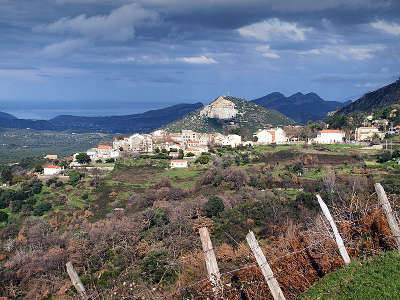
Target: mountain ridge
300	107
380	98
143	122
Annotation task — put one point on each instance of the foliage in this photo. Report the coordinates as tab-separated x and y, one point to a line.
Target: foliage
41	208
307	200
3	216
391	185
110	160
51	181
6	196
155	267
203	159
384	157
159	217
214	206
6	175
39	168
83	158
74	177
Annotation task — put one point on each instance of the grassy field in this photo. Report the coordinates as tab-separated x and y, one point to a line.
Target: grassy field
376	278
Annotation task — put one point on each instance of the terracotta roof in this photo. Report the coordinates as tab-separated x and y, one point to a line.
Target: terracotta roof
104	147
332	131
52	167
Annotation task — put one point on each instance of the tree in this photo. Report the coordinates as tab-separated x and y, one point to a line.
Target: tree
38	168
74	177
6	175
214	206
180	155
203	159
83	158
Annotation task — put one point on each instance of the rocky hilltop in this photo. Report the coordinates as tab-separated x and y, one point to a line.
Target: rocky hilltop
226	113
221	108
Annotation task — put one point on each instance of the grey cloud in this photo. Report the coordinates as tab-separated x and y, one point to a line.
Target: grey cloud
117	26
63	48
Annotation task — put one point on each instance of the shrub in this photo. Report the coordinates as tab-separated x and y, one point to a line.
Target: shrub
3	216
99	161
159	218
6	175
110	160
74	177
41	208
384	157
214	206
50	181
203	159
6	196
59	184
391	185
85	196
307	200
155	267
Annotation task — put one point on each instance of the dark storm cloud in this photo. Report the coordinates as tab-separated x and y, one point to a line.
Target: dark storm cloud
253	45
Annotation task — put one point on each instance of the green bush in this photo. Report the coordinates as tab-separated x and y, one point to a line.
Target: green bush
3	216
214	206
307	200
50	181
41	208
155	267
203	159
159	218
74	177
110	160
391	185
384	157
59	184
6	196
85	196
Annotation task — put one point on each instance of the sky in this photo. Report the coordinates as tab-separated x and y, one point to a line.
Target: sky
125	56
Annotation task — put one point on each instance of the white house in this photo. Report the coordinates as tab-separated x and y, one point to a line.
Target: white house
330	136
234	140
263	137
178	163
367	133
51	170
121	143
278	136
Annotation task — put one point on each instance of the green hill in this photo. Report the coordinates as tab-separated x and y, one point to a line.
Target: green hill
377	278
380	98
229	112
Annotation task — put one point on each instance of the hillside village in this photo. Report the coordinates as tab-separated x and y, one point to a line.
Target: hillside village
189	144
128	210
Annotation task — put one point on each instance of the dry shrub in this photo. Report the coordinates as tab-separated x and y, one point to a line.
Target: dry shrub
235	178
